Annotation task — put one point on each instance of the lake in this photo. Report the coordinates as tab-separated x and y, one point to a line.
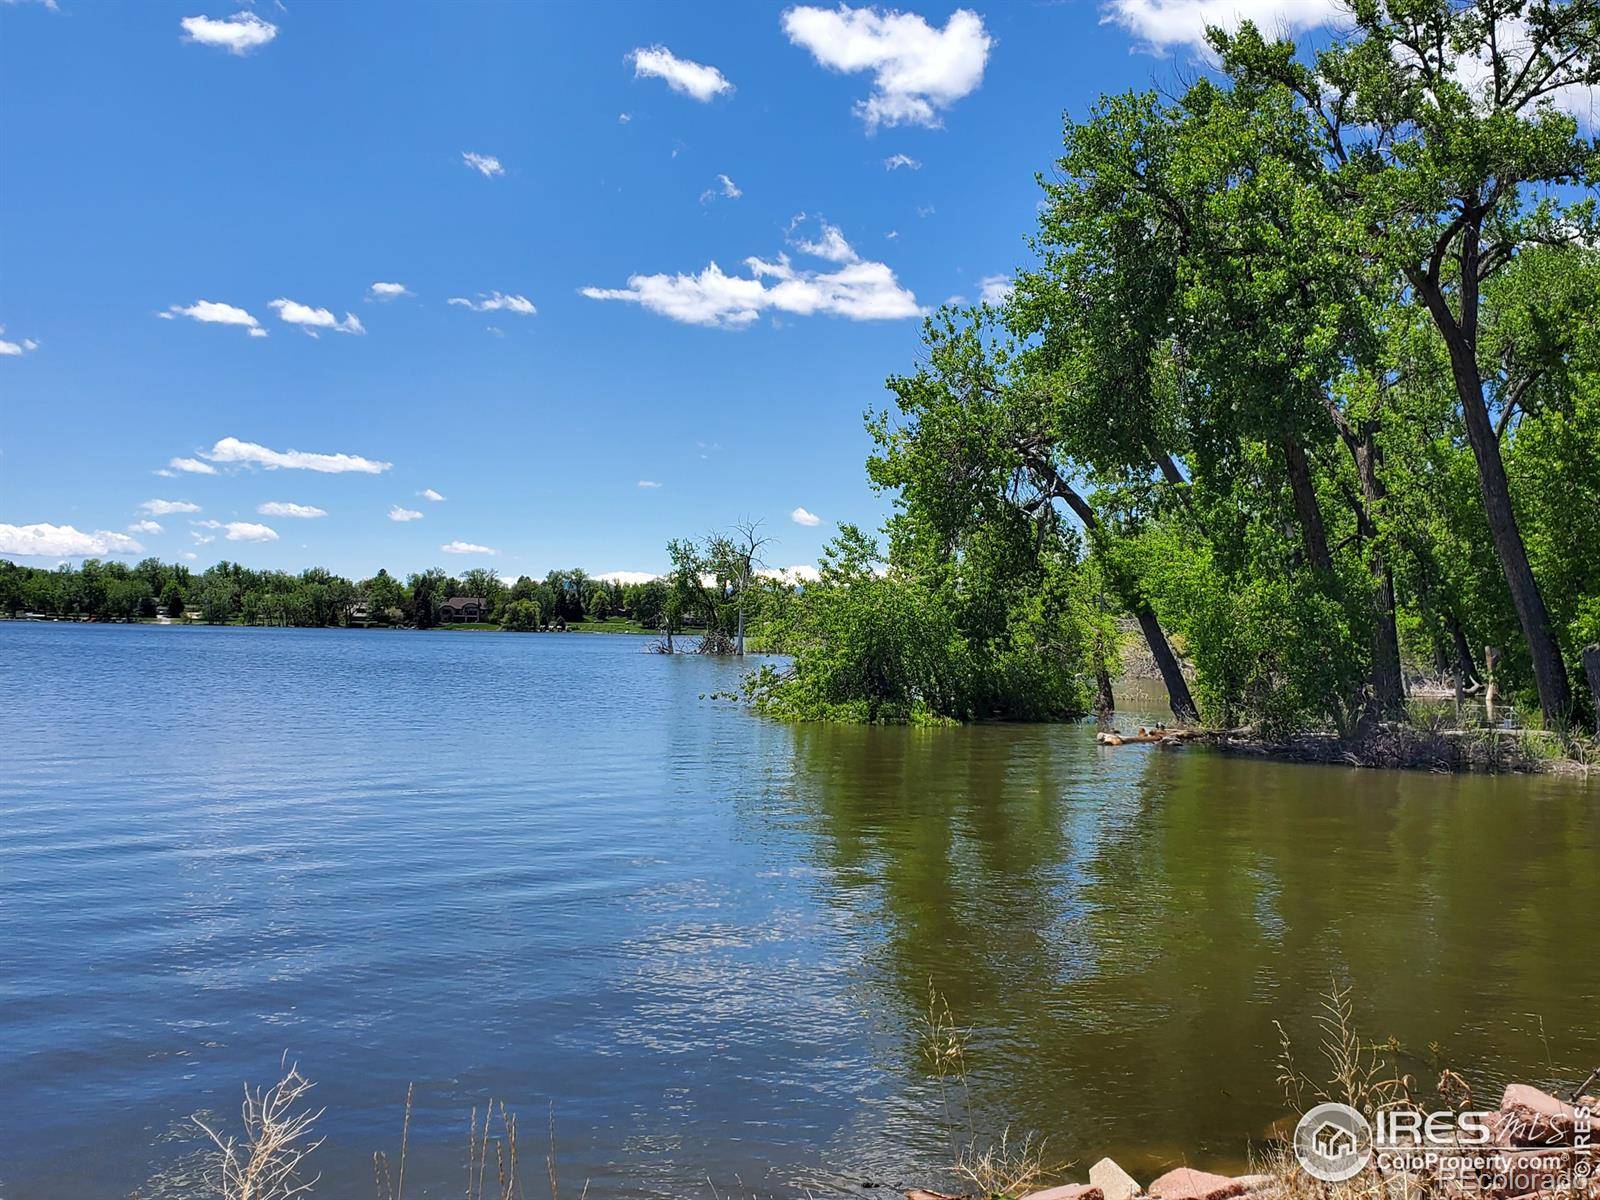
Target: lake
551	869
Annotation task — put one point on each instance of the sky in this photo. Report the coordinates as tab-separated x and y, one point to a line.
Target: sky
518	285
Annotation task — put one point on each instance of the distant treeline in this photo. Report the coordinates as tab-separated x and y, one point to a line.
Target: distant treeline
230	592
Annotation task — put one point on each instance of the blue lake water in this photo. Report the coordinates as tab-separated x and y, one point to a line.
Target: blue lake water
553	870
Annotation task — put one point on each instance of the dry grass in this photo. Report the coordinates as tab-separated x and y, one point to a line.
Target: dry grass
992	1166
268	1161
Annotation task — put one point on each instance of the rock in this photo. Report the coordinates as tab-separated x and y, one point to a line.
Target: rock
1185	1183
1114	1183
1530	1117
1068	1191
1254	1183
924	1194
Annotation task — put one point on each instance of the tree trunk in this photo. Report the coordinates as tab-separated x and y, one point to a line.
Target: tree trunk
1178	697
1549	671
1388	685
739	640
1466	673
1306	507
1591	672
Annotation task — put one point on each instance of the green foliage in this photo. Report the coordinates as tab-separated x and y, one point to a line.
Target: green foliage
521	616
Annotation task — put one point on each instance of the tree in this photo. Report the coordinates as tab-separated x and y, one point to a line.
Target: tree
1439	128
172	599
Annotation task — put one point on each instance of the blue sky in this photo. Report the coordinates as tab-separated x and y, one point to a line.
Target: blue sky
562	366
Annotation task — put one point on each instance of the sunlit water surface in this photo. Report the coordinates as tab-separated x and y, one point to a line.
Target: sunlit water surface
550	870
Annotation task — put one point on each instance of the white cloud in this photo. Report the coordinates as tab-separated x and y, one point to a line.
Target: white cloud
648	483
857	290
624	118
486	165
62	541
895	161
626	576
917	69
144	527
396	513
799	573
430	494
1158	24
387	291
829	244
459	547
162	508
282	508
201	539
497	302
14	349
190	555
238	34
312	319
726	188
191	465
801	516
214	312
690	78
995	289
232	450
249	531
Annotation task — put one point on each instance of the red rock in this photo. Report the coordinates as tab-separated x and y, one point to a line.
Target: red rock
1068	1191
1530	1117
1185	1183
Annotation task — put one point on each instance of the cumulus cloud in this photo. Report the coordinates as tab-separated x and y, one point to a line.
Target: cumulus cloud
10	349
1158	24
497	302
312	319
797	574
895	161
626	576
829	243
238	531
430	494
232	450
387	291
693	79
995	289
459	547
63	541
486	165
801	516
192	466
238	34
214	312
857	289
162	508
648	483
396	513
725	188
917	69
282	508
144	527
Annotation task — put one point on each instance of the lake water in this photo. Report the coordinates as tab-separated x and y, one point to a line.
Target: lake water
547	869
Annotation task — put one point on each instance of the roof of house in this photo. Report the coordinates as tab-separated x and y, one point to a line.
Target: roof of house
463	601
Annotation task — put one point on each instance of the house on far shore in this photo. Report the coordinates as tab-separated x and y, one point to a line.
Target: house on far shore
464	608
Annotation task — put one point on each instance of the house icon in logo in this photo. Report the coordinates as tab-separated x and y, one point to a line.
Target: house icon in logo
1333	1141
